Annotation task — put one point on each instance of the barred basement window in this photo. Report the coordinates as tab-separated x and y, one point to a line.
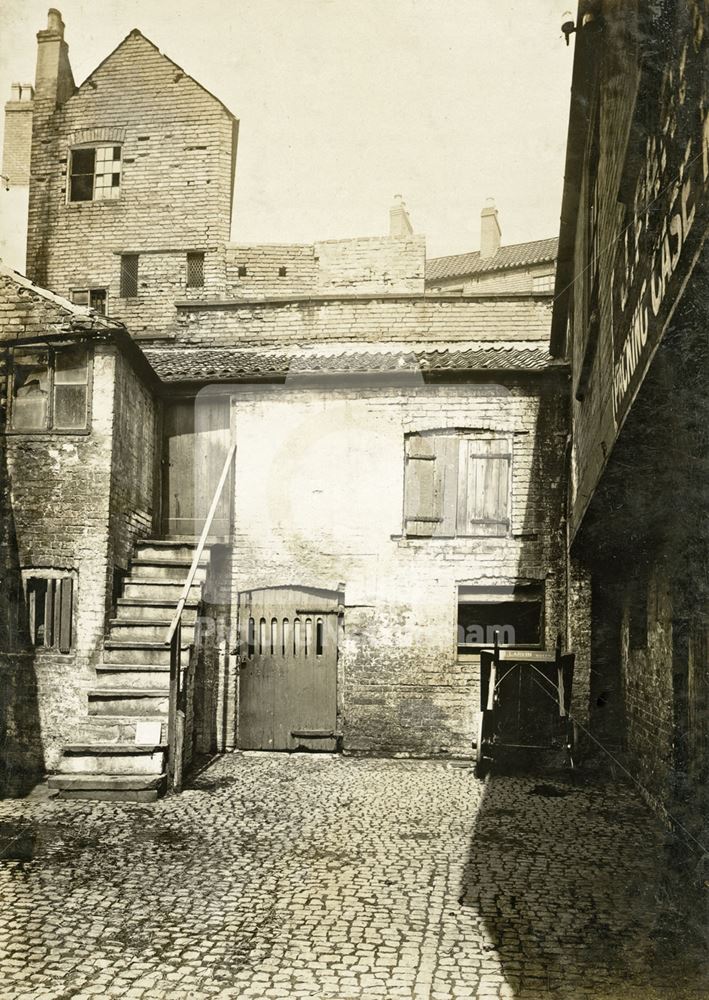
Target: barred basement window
49	603
94	298
457	484
50	389
195	270
95	173
129	275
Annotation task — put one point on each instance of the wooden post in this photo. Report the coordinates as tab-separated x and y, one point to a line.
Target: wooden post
172	736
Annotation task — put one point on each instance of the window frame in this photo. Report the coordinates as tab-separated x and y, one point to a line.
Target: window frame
464	526
191	257
548	287
48	431
494	595
88	289
70	174
123	258
56	577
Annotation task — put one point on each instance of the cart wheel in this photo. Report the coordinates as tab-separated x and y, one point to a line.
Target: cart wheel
480	761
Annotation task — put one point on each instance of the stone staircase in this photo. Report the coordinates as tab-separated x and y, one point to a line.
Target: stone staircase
112	757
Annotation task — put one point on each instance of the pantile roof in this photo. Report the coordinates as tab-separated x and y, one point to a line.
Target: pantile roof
517	255
184	364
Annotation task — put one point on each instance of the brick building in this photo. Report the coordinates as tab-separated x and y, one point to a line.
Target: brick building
397	488
629	314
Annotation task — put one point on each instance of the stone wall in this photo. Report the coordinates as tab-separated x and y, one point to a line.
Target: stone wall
320	503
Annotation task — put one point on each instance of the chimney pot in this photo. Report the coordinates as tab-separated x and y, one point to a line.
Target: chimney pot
27	92
15	92
54	21
399	222
490	232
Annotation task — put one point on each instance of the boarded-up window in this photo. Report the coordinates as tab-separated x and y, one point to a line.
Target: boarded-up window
50	389
456	483
50	612
195	270
129	275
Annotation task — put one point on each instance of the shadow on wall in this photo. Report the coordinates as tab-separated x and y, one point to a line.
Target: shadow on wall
21	751
573	889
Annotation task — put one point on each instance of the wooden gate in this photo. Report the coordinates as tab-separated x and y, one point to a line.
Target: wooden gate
288	674
197	436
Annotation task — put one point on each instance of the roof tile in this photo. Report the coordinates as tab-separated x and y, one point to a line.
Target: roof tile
517	255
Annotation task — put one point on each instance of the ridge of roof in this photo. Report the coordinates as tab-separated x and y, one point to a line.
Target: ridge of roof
514	255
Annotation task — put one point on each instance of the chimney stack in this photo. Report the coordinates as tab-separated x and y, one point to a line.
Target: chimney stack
17	143
54	82
400	227
490	231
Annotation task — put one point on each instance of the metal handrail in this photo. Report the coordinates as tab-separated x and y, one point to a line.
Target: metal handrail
173	639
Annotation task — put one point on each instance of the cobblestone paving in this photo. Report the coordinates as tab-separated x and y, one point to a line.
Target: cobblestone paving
324	877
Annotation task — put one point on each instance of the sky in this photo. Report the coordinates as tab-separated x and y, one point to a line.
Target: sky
344	104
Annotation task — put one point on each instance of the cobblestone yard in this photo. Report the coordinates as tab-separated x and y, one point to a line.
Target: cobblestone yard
305	876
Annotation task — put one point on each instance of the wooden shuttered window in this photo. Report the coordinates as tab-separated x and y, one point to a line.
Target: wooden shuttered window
50	612
486	506
456	484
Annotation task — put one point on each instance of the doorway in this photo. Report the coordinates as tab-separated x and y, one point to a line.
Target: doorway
197	435
288	669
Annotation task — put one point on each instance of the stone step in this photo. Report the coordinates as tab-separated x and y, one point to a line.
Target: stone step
102	758
128	701
144	630
134	609
132	651
115	729
133	675
160	590
108	787
158	548
164	569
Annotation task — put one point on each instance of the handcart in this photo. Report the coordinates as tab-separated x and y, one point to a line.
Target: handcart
525	697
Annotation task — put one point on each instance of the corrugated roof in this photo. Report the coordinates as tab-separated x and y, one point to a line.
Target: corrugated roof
177	364
517	255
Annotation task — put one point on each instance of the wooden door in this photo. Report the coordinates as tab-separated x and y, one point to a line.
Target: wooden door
196	441
288	675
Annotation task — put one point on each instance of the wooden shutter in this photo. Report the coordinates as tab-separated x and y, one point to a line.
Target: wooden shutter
65	599
486	508
431	477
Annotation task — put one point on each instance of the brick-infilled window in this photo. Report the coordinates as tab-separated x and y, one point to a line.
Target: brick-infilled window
457	484
49	604
129	275
95	173
94	298
195	270
50	389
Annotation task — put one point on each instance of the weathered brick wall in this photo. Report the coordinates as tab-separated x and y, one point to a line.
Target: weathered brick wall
369	264
17	141
176	185
135	429
373	320
59	502
513	280
323	507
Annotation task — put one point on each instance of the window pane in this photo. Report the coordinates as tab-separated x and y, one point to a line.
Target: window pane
80	298
70	407
82	187
97	300
71	366
30	393
82	161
